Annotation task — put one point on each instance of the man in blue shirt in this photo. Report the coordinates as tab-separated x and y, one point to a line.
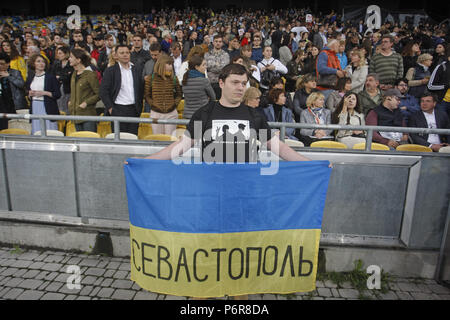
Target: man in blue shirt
408	103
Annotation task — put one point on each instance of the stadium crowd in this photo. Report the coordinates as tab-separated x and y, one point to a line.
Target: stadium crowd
309	70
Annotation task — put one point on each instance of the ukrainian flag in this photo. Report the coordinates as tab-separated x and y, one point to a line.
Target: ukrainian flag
209	230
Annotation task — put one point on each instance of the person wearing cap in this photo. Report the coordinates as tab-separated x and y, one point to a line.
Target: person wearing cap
388	114
429	117
99	46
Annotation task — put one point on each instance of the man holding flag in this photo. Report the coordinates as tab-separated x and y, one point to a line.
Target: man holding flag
229	110
209	229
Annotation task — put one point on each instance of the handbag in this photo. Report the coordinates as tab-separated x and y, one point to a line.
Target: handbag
327	81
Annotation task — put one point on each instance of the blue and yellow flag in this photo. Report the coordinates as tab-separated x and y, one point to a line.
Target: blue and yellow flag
209	230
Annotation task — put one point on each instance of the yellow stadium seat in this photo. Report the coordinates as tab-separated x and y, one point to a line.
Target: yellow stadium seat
103	128
160	137
55	133
374	146
61	123
123	136
144	129
413	148
84	134
70	128
328	144
180	109
14	131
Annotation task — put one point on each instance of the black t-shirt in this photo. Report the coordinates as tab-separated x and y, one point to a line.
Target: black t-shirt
228	134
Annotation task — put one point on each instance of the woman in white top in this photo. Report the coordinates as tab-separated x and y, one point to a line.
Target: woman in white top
269	63
43	90
348	112
357	70
185	65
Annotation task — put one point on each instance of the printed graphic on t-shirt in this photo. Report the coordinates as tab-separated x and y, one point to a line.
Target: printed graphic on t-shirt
230	131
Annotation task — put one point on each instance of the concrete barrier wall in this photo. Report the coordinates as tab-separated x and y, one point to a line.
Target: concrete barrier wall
400	198
386	208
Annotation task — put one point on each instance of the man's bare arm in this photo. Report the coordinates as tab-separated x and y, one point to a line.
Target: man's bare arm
284	151
174	150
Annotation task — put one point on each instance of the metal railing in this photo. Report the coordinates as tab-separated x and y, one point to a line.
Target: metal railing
281	125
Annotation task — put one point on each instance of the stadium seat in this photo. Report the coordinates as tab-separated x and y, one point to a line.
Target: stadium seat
55	133
445	149
14	131
61	123
293	143
413	148
374	146
180	109
84	134
328	144
70	128
122	135
103	128
144	129
160	137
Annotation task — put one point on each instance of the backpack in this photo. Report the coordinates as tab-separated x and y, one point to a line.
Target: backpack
268	75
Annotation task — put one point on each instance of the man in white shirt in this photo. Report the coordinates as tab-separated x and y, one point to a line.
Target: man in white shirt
175	49
430	118
121	90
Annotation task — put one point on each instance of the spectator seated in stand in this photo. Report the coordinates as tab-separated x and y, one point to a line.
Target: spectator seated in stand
277	111
348	112
429	117
408	104
388	114
315	113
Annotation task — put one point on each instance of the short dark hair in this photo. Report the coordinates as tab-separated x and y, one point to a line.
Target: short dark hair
139	35
397	82
121	45
155	47
387	36
427	93
5	56
275	81
232	68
